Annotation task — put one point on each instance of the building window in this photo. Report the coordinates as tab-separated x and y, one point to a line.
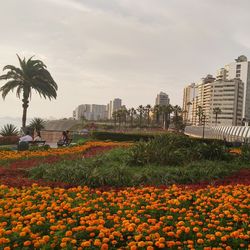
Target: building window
238	66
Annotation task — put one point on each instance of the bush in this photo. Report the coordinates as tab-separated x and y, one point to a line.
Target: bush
175	150
22	146
9	140
245	153
40	148
212	151
110	169
167	149
113	136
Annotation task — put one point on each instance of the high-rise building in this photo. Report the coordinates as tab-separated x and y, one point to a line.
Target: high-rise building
162	99
90	112
189	95
113	106
239	69
227	95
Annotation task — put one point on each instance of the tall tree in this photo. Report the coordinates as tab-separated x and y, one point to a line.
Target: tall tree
157	113
166	111
32	75
114	116
141	111
200	114
147	110
132	113
188	109
177	118
216	111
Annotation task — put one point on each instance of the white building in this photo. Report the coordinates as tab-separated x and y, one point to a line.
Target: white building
90	112
162	99
239	69
189	95
113	106
227	95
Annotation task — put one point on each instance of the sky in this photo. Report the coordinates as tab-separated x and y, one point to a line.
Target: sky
97	50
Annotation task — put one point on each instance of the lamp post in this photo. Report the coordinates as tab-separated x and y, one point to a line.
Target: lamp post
203	127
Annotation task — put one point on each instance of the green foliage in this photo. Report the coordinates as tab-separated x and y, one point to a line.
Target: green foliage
9	130
113	136
245	153
22	146
211	151
37	124
174	149
39	148
110	169
5	149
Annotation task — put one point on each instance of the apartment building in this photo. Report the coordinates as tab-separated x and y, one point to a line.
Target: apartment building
229	91
113	106
227	95
162	99
189	95
93	112
239	69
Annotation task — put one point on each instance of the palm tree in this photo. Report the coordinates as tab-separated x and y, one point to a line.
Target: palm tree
114	115
9	130
37	124
200	114
140	110
147	110
177	119
157	113
188	104
132	113
216	111
166	111
32	74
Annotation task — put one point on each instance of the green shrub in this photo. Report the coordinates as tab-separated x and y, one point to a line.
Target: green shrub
173	149
5	149
22	146
167	149
211	151
245	153
113	136
39	148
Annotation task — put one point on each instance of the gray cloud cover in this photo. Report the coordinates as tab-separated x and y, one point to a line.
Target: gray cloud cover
97	49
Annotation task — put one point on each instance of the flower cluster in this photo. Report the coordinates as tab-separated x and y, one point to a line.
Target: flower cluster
132	218
14	155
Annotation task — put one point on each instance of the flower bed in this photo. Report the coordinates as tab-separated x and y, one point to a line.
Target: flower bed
14	155
133	218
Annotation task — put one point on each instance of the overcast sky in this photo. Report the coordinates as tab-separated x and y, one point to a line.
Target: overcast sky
97	50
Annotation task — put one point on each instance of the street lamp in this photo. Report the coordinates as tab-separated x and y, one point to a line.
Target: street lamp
203	123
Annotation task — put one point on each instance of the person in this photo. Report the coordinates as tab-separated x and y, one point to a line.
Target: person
26	138
63	140
38	137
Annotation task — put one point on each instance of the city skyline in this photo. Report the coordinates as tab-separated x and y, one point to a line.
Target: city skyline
123	48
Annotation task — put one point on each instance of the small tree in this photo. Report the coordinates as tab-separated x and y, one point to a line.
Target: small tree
37	124
216	111
9	130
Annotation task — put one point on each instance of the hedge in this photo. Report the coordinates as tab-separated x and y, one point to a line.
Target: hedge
113	136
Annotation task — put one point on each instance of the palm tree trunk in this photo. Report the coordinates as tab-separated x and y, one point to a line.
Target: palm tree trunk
25	107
